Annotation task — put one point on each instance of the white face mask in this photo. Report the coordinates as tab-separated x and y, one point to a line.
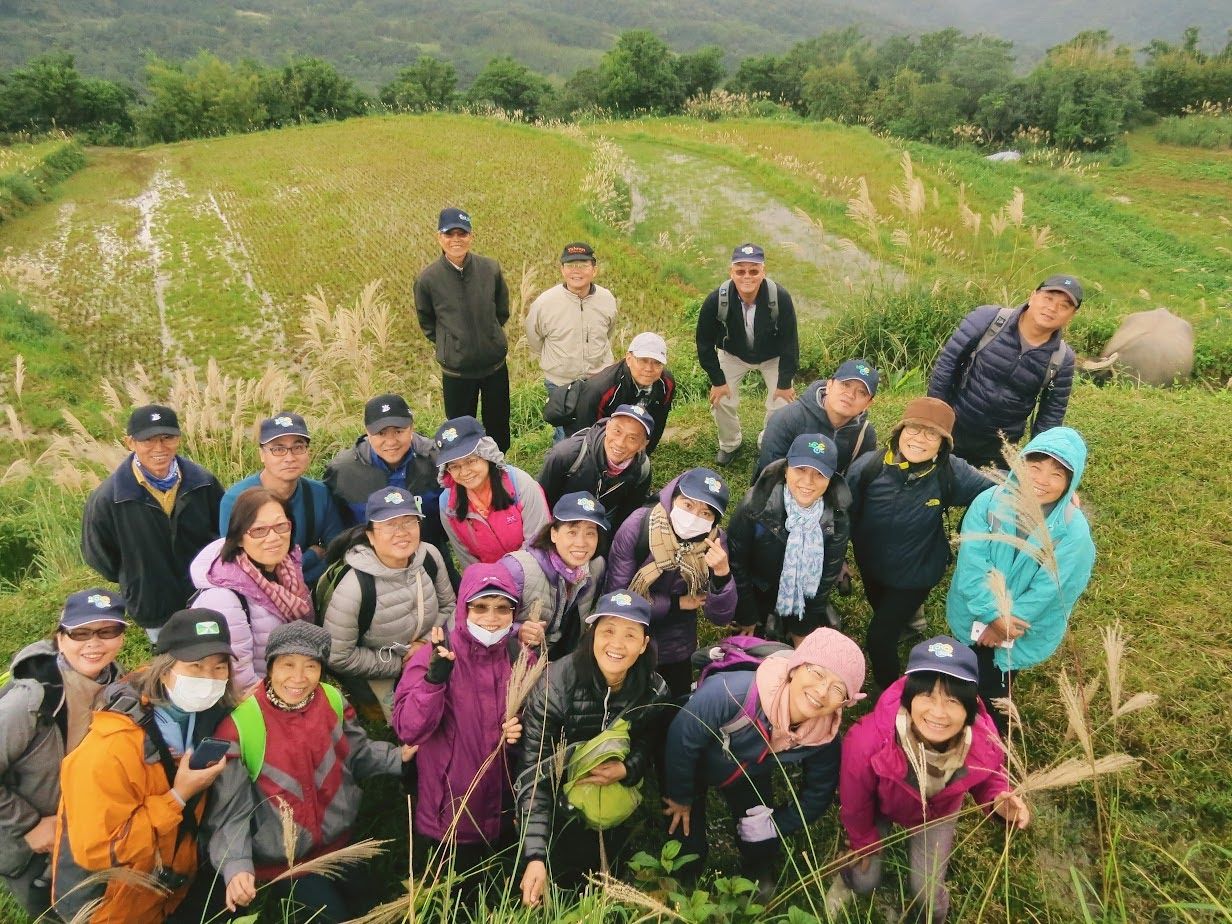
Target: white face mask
195	694
487	637
689	525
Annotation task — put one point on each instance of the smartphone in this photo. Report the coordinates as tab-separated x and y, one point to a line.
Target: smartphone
210	750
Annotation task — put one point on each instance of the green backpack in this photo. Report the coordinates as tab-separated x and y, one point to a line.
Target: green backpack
250	725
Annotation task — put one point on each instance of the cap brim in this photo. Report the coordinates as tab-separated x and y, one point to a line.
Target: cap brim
809	463
599	521
390	515
146	433
708	501
1052	455
78	623
198	650
576	258
492	592
594	617
854	378
455	226
378	425
1061	289
646	424
460	451
935	669
646	354
303	433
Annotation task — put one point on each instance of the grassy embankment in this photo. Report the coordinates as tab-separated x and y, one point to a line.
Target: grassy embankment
241	229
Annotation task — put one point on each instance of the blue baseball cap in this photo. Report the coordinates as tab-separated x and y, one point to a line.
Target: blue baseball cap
638	413
389	502
705	485
623	603
580	506
858	370
457	438
945	656
748	253
284	423
93	605
452	219
816	450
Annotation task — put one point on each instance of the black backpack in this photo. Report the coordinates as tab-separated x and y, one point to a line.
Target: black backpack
337	570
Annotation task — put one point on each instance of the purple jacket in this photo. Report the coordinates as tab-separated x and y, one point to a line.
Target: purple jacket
673	630
874	781
457	725
222	583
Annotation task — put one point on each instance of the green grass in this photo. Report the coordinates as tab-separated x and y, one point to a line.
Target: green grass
1196	131
29	171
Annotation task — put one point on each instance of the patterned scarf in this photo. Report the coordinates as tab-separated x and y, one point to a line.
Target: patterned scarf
166	483
804	557
933	769
289	594
668	552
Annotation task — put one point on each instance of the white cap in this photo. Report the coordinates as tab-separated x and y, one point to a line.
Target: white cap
649	345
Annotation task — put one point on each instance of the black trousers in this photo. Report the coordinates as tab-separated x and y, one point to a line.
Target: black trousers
994	683
893	608
757	859
462	397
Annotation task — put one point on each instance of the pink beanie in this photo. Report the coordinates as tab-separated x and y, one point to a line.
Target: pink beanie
834	651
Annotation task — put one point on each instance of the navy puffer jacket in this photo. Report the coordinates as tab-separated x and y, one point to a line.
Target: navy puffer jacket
1005	379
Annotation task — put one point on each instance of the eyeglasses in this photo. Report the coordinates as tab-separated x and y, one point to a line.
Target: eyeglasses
297	449
747	272
461	465
260	532
398	525
917	430
114	630
836	689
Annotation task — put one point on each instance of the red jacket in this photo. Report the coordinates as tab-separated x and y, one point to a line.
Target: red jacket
874	780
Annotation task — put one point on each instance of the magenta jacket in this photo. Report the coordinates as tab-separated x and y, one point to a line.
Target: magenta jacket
457	725
875	780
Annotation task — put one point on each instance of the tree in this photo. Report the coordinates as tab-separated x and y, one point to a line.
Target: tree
638	75
835	91
1179	77
200	97
583	92
49	93
309	90
426	84
699	72
764	74
509	85
978	66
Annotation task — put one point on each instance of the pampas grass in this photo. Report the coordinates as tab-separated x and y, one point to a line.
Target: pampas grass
626	894
1074	771
334	864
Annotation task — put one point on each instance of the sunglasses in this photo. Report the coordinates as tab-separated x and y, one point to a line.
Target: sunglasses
115	630
260	532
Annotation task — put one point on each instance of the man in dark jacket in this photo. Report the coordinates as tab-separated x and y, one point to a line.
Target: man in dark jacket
608	460
463	303
390	454
999	364
640	378
144	525
837	408
747	323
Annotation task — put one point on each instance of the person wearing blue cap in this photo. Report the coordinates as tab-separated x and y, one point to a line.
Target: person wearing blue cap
606	689
748	323
488	507
608	460
1004	367
837	408
45	708
462	303
675	554
561	571
789	540
285	444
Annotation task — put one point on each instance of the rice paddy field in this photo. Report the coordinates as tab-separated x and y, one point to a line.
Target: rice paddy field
234	276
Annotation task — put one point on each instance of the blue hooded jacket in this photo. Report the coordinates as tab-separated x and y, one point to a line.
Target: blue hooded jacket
1037	598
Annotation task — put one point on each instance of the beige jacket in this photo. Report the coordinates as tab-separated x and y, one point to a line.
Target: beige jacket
571	335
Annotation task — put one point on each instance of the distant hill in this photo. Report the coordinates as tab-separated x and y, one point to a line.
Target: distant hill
371	39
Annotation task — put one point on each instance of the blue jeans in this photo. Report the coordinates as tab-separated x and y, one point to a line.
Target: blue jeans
559	433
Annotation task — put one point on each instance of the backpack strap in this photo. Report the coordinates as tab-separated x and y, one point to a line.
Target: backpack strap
429	564
310	514
243	601
367	603
855	450
336	700
581	457
250	726
746	717
995	326
772	293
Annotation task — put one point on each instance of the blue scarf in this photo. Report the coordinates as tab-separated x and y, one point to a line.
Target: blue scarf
804	557
395	475
163	484
176	726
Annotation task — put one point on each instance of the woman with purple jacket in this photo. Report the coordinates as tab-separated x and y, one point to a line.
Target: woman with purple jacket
675	555
253	577
451	703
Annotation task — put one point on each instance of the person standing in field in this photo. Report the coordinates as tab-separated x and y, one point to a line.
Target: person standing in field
462	304
640	378
747	323
569	327
284	444
1004	364
144	525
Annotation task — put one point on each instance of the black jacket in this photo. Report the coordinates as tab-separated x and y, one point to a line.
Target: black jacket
464	314
1005	380
757	539
620	495
770	341
898	528
563	708
126	537
609	388
806	415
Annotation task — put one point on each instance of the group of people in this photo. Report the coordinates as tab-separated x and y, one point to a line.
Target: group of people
420	577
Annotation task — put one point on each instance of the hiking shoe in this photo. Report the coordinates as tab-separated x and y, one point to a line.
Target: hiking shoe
837	897
724	456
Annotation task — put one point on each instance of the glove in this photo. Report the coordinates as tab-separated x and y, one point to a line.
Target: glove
439	667
757	825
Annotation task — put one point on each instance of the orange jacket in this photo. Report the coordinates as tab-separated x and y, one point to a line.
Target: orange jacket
116	809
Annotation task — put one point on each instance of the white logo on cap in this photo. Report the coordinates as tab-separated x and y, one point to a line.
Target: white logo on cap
941	649
622	599
156	417
384	408
282	421
714	485
586	504
638	410
464	216
393	497
746	249
100	600
419	504
449	435
207	628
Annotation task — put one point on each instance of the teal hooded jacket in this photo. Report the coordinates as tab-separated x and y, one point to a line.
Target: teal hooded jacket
1038	599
